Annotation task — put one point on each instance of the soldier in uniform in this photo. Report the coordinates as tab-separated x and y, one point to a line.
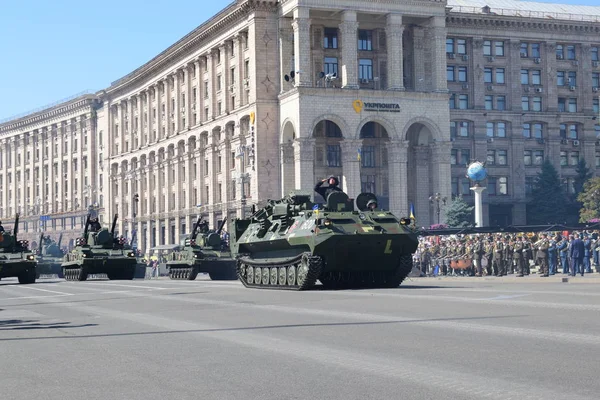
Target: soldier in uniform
489	256
478	255
95	225
563	250
587	254
498	256
519	257
508	255
542	254
552	255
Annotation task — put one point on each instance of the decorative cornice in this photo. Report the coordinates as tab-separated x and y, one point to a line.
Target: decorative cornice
193	41
85	102
513	23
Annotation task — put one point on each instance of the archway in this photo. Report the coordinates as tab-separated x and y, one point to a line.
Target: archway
419	171
288	162
374	173
327	152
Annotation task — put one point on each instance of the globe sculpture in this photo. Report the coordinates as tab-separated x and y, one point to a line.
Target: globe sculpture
476	171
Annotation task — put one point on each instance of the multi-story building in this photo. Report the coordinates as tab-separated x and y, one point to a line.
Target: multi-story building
48	169
392	97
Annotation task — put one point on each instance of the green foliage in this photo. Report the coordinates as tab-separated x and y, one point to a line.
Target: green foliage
549	203
458	213
583	175
590	200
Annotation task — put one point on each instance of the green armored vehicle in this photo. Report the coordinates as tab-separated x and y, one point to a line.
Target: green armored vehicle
202	251
49	256
15	257
292	243
99	252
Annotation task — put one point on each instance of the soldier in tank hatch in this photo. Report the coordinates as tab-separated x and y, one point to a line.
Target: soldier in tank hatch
1	227
333	183
95	225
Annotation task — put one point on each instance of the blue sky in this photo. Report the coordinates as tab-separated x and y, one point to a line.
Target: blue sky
50	50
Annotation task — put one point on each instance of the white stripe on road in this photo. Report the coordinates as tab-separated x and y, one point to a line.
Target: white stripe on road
43	290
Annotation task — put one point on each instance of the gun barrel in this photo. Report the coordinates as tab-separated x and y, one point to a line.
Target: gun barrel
195	229
222	225
59	240
114	225
87	226
41	241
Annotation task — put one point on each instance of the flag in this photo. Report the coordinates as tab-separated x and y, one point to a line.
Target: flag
358	153
412	212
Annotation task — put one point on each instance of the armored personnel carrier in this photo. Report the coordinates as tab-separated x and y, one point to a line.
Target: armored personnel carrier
292	243
15	257
202	251
49	256
99	252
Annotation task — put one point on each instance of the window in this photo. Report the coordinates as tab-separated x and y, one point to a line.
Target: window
560	78
500	75
232	76
524	50
535	50
595	79
450	73
462	74
368	157
537	103
331	65
525	103
334	155
501	103
458	46
594	53
454	183
497	157
597	131
465	186
560	52
487	75
496	129
596	105
459	129
572	105
563	159
569	185
571	53
530	50
365	68
487	47
573	158
219	83
598	159
330	38
491	186
453	156
529	183
463	101
449	45
527	160
562	104
460	156
365	40
572	78
524	77
536	77
499	48
538	157
367	183
491	157
489	102
502	186
533	130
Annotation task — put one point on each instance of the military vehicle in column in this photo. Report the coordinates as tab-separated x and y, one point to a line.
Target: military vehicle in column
202	251
99	252
49	256
15	257
292	243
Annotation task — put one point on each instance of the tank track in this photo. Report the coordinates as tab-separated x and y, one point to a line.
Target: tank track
299	273
75	274
183	273
368	279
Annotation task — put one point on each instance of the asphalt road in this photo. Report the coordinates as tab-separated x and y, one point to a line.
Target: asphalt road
451	338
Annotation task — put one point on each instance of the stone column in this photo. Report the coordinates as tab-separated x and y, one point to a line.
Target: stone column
239	94
61	177
177	112
395	72
225	90
196	106
211	100
437	35
302	47
288	178
351	167
349	43
398	177
129	125
304	156
420	83
167	119
286	52
200	198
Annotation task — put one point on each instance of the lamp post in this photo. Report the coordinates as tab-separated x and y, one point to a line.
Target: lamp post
136	199
435	200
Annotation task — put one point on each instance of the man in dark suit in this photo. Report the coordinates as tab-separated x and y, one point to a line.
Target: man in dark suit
577	252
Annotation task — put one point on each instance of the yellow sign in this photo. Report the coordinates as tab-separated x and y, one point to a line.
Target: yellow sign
358	105
252	118
388	248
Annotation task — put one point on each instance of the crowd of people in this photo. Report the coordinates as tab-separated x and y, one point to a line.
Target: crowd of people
500	254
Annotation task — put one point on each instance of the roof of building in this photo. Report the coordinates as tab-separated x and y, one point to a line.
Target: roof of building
527	9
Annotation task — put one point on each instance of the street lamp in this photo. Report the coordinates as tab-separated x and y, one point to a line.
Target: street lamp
136	199
435	200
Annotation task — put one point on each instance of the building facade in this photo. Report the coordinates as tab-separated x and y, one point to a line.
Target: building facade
48	169
394	98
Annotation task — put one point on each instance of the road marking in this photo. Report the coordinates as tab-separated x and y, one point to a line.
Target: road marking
44	290
118	285
505	297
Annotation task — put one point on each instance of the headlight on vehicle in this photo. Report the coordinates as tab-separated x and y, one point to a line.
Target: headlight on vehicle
131	254
327	222
31	257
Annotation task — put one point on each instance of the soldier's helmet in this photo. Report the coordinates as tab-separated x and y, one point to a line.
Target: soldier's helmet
371	204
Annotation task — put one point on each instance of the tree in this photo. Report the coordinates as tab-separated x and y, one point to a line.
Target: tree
590	200
458	213
549	203
583	175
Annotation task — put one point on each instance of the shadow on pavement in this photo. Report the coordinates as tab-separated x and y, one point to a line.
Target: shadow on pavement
22	325
256	328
